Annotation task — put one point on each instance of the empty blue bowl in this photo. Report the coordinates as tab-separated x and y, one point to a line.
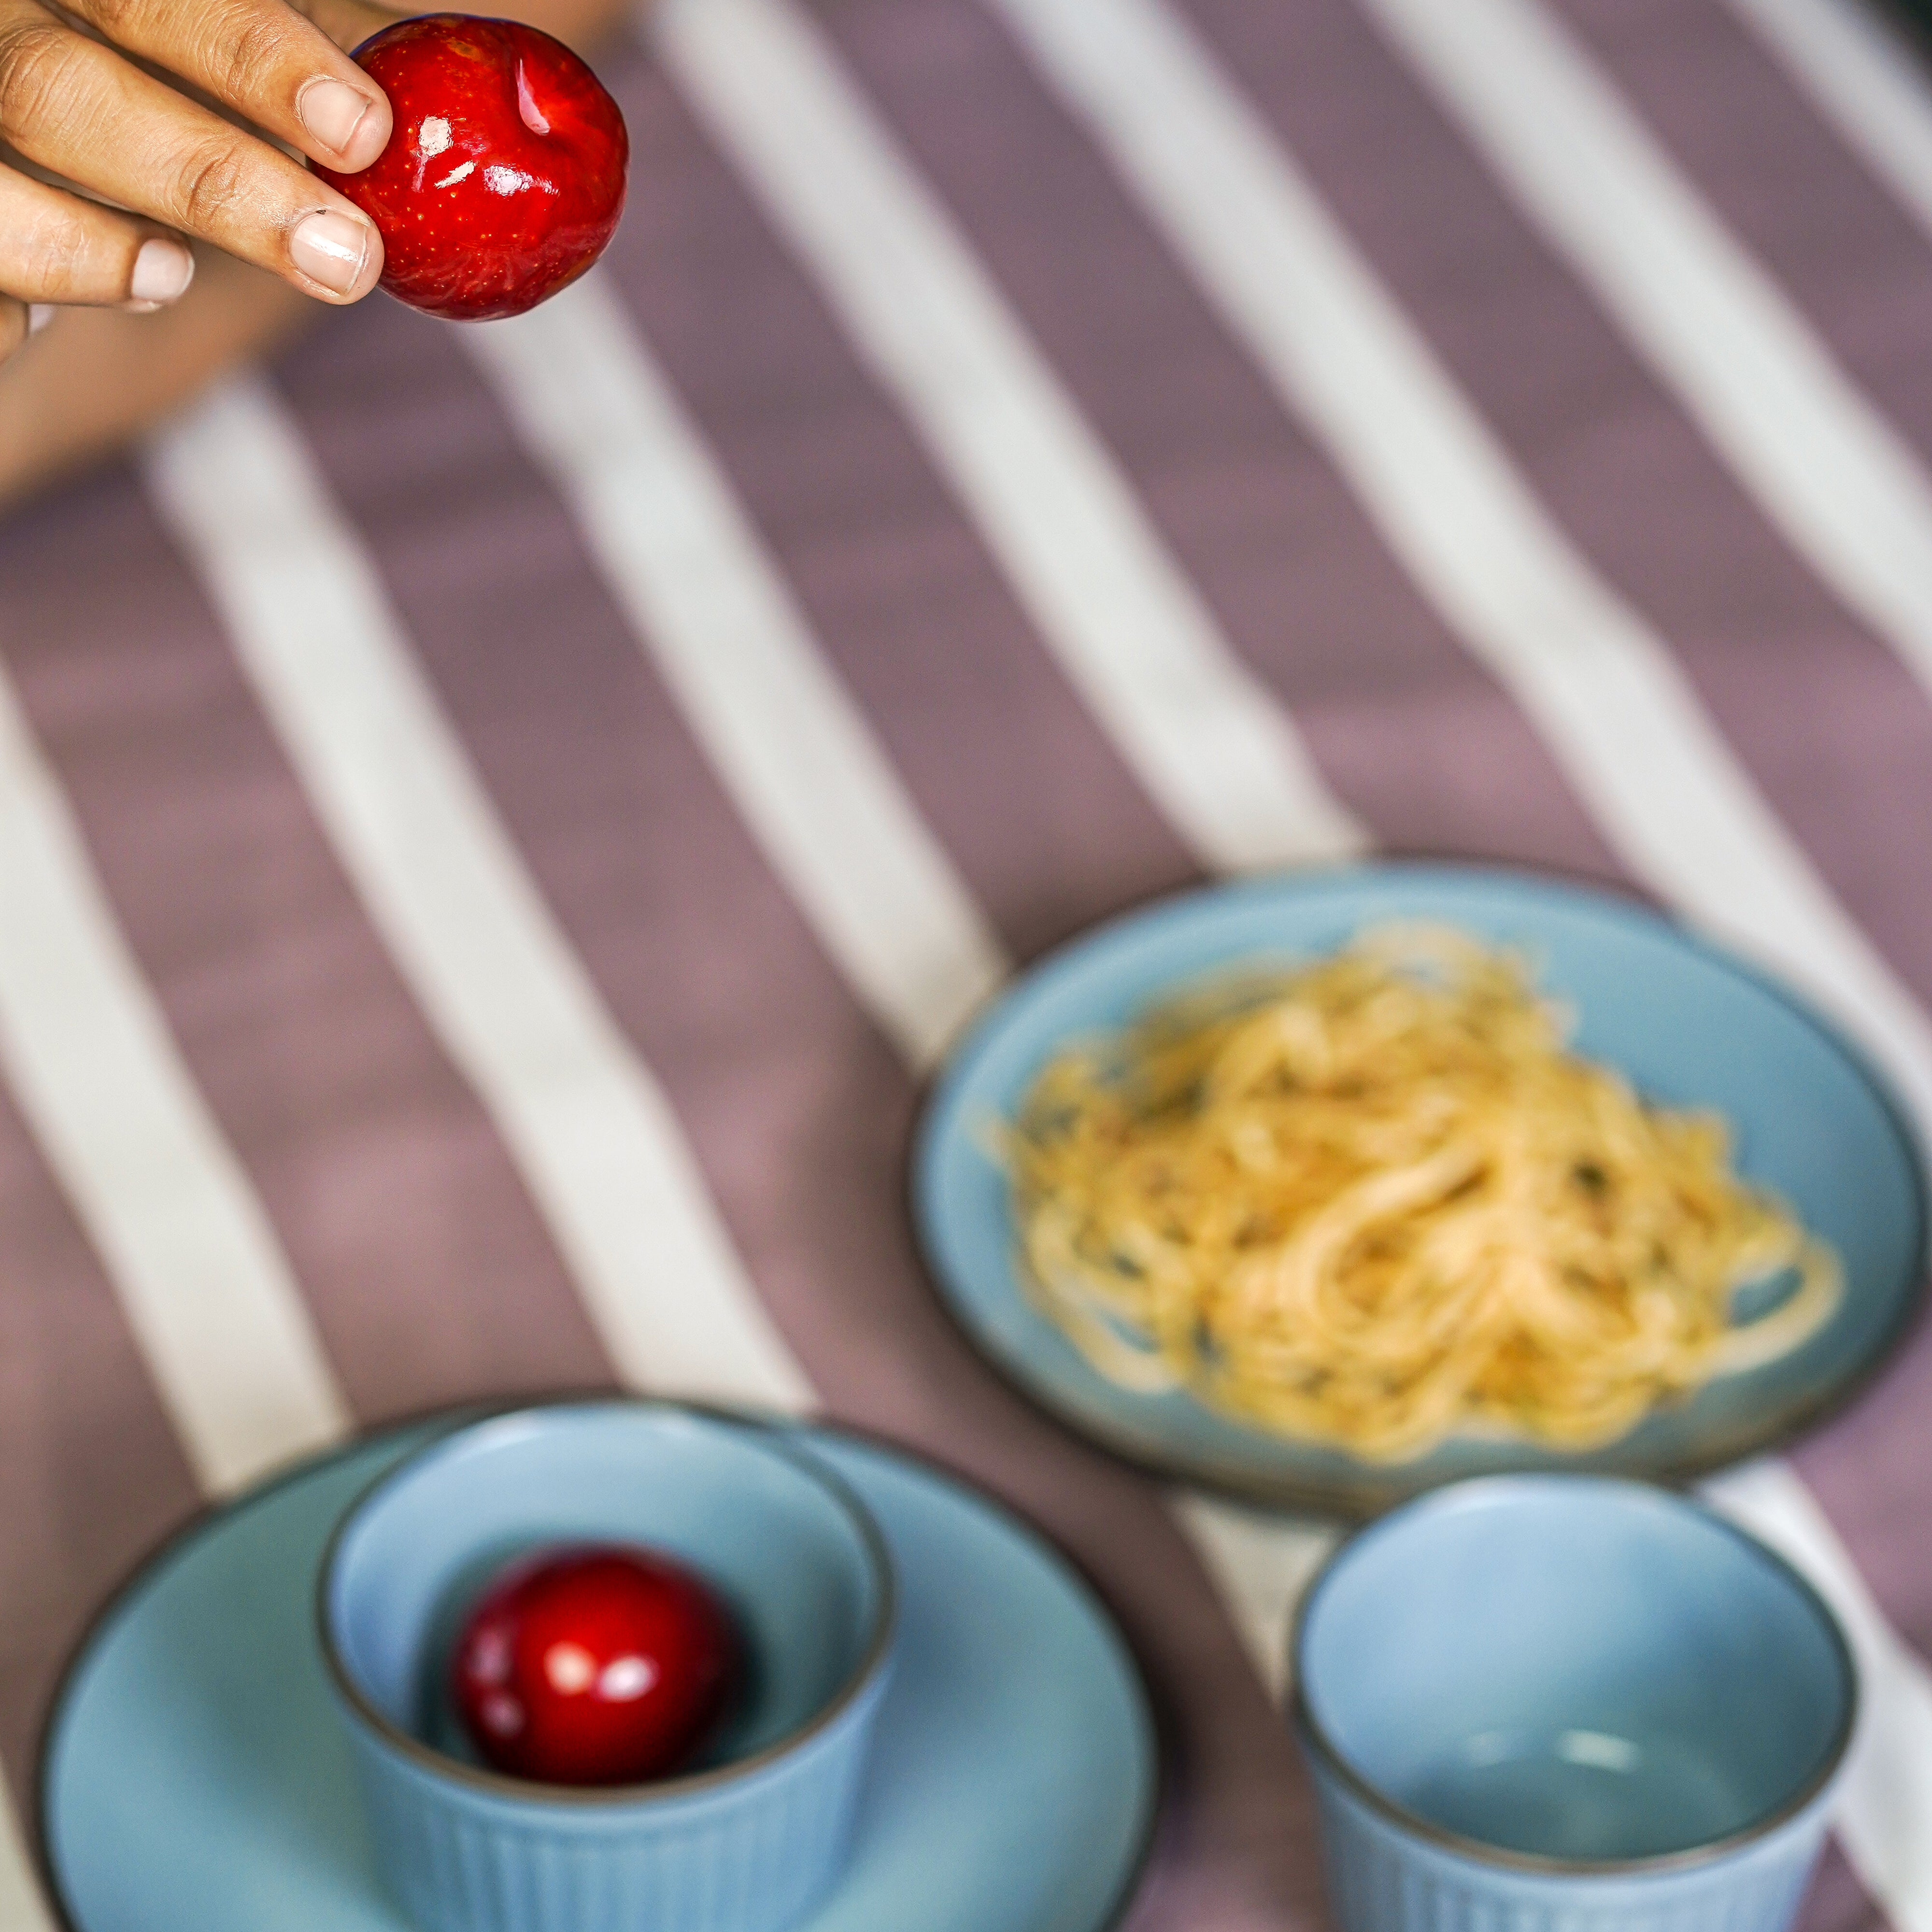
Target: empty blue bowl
1528	1698
749	1840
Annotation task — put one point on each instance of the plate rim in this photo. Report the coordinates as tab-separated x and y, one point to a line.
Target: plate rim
1327	1503
211	1513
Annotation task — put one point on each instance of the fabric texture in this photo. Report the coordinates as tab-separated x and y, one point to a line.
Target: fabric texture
442	760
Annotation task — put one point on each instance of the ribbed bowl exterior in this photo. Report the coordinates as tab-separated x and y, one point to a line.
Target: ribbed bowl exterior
749	1854
1384	1878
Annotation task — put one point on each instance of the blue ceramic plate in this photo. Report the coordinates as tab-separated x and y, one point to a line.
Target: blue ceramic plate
196	1779
1686	1023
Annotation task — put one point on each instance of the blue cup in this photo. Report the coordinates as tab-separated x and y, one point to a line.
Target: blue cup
1550	1702
747	1841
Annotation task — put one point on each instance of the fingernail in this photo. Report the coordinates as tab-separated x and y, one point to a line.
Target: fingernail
334	113
39	314
162	272
330	249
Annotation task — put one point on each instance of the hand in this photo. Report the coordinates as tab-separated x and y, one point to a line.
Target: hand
82	102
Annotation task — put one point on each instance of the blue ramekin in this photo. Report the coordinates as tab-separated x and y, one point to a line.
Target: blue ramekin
748	1842
1555	1703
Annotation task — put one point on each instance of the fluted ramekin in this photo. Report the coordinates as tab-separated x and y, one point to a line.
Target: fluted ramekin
1568	1704
750	1840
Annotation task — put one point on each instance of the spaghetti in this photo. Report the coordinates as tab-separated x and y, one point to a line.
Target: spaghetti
1374	1202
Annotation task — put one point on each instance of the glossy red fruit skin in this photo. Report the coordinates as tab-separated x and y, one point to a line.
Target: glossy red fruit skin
596	1665
504	179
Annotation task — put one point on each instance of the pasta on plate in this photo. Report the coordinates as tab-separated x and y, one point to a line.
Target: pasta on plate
1373	1202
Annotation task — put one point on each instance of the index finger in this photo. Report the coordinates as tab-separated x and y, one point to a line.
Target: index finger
78	109
266	61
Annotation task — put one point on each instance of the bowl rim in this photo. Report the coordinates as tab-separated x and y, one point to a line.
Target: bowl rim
1364	1494
1330	1757
768	1434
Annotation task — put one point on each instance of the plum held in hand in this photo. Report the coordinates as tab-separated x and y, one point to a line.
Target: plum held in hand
504	179
601	1665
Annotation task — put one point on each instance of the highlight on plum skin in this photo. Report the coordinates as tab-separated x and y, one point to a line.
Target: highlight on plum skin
597	1664
504	179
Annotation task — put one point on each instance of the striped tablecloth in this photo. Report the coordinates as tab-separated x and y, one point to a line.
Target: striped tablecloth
496	826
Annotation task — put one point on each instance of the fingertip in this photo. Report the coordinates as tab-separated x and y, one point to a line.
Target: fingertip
371	136
372	264
163	270
351	126
339	252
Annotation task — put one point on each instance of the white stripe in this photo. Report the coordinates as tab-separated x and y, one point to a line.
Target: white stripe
1868	80
1883	1817
299	557
1602	689
593	1135
207	1292
22	1909
206	1288
707	603
1261	1564
1216	752
703	595
1842	485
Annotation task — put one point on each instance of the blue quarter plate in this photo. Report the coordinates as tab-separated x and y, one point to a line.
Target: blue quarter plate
196	1779
1687	1024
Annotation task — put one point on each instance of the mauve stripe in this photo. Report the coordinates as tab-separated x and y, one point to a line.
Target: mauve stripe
798	1111
423	1263
91	1474
1872	1475
1406	728
1837	1901
1831	727
1845	253
1031	801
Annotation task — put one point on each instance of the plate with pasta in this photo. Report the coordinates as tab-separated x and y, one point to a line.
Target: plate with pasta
1322	1189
